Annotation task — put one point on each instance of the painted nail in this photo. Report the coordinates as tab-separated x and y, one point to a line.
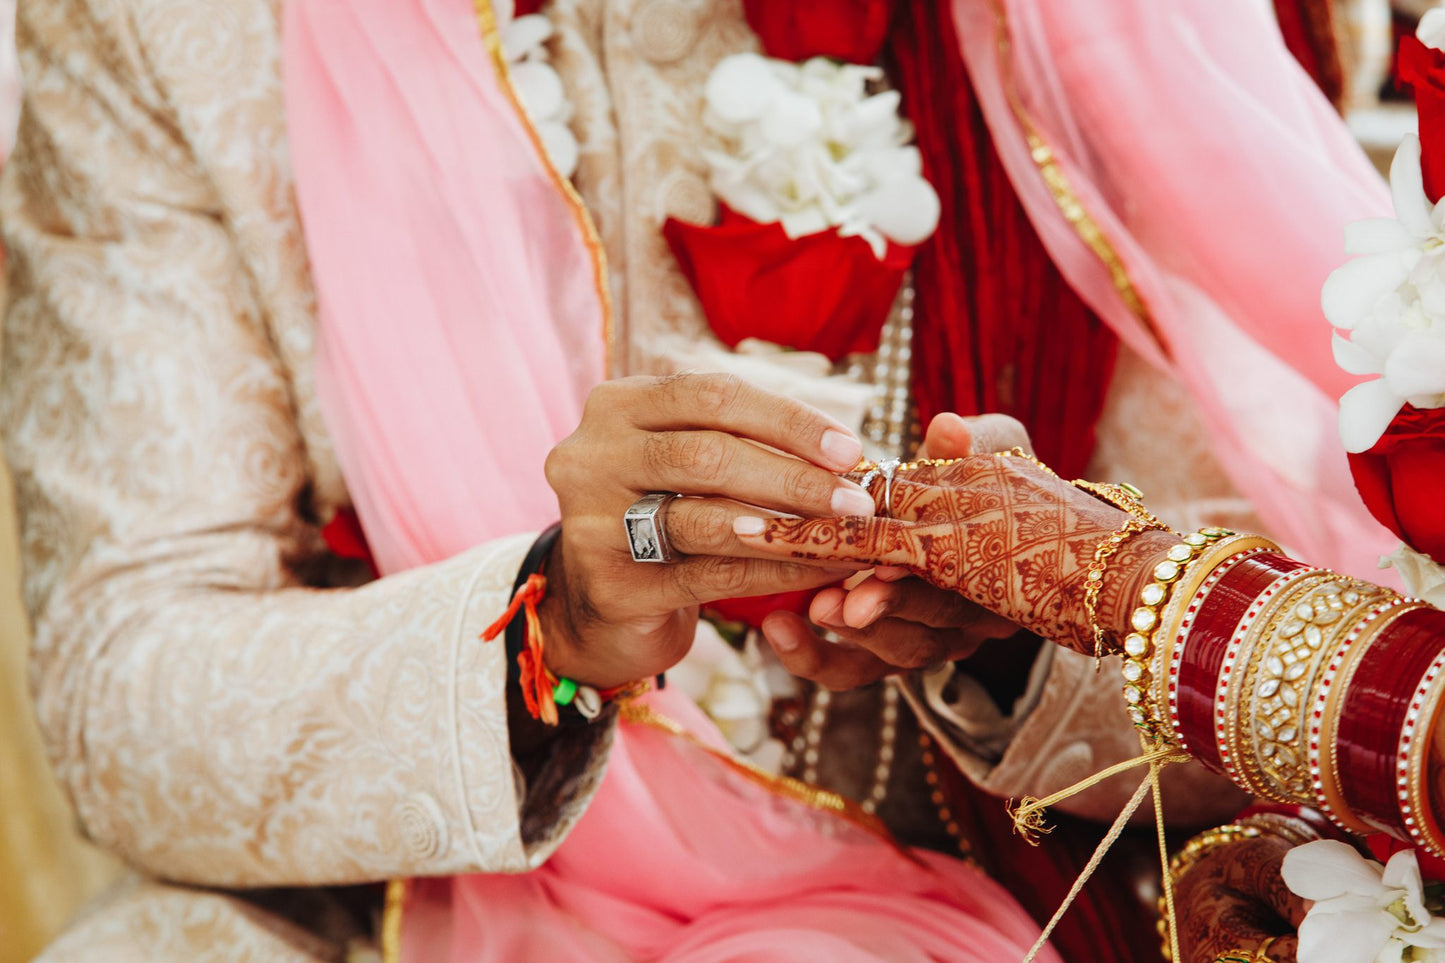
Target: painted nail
849	499
747	525
841	449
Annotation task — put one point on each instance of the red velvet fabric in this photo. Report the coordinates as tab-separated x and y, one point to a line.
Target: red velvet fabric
996	327
847	30
1309	33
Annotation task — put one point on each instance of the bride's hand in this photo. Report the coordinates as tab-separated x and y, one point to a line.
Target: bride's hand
998	530
888	620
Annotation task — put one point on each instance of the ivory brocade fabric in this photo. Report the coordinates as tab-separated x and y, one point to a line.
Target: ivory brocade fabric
223	706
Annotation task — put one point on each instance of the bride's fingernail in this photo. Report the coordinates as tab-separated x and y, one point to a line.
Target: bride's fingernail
747	525
848	499
842	449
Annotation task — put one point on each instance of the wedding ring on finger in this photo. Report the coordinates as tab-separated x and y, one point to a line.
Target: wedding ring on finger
645	522
886	470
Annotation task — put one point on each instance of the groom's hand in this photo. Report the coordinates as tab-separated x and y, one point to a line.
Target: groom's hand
890	621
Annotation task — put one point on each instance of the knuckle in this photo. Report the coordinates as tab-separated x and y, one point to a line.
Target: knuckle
691	452
798	420
806	486
558	467
604	399
716	391
699	526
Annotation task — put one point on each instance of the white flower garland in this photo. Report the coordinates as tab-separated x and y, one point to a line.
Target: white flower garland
1390	302
538	86
1391	298
807	146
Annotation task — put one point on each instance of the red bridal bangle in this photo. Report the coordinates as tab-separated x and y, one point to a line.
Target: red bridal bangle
1383	698
1202	668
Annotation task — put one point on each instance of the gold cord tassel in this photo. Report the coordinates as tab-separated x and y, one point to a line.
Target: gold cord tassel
1028	815
1029	820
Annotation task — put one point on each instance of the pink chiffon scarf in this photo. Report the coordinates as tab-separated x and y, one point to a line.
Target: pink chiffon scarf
1217	182
460	329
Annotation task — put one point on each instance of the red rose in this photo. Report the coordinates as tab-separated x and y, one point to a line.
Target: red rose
820	292
1423	68
848	30
1400	479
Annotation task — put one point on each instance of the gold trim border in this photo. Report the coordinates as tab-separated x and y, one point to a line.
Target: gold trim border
492	39
1062	191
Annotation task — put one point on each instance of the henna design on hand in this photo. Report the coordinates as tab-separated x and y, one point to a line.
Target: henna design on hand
1234	898
1001	531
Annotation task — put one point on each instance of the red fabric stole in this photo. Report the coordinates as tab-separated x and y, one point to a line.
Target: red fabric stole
996	327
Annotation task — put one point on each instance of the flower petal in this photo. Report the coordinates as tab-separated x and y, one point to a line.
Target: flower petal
1402	873
539	89
1417	365
1407	188
1376	235
1354	358
1366	410
1343	937
1353	288
904	209
560	145
1327	868
525	34
741	87
1431	31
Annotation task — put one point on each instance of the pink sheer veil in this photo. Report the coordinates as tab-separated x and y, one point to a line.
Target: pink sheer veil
460	328
1193	185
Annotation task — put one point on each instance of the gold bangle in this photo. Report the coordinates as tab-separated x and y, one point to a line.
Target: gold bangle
1122	496
1177	618
1290	668
1268	671
1145	622
1094	580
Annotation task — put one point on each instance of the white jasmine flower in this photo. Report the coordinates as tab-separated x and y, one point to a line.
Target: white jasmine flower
1391	300
1363	912
722	683
1424	578
1431	31
808	147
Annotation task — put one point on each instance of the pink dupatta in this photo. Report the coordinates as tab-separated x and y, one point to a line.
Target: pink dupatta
1193	185
461	327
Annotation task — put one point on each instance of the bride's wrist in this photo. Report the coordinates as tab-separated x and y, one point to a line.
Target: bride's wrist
1126	576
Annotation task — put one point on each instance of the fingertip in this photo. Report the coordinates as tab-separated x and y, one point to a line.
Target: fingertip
827	607
948	436
748	525
776	629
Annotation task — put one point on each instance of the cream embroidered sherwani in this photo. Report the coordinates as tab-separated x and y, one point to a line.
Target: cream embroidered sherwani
222	709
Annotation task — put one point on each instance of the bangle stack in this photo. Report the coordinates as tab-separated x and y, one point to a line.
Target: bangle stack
1299	684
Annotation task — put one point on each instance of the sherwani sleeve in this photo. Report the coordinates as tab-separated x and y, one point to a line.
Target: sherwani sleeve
1069	724
215	717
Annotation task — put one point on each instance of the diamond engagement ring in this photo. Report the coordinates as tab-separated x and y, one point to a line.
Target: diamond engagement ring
885	470
646	534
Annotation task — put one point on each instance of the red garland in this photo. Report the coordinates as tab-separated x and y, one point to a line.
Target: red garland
819	292
1423	68
852	31
1399	479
